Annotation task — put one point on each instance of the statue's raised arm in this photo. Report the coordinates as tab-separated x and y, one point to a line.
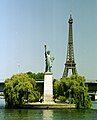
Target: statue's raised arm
48	60
45	51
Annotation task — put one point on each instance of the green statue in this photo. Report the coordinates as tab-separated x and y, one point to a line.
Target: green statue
48	60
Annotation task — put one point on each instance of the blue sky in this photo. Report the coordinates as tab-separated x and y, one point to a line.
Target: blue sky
26	25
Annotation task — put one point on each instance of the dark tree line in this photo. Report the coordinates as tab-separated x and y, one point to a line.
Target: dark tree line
37	76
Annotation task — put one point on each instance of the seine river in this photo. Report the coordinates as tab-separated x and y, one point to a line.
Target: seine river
43	114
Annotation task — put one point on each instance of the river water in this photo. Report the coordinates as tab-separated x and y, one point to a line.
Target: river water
50	114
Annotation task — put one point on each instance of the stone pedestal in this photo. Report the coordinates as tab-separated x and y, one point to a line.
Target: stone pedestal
48	87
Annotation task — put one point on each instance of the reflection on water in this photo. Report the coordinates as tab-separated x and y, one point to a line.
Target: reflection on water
46	114
94	104
2	103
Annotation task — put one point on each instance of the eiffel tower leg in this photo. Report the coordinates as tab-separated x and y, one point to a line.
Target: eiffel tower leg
74	72
65	74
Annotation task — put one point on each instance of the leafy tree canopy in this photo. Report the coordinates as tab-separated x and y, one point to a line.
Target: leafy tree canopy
73	90
36	76
19	89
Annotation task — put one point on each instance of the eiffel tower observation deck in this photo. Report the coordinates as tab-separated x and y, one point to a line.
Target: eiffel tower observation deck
70	62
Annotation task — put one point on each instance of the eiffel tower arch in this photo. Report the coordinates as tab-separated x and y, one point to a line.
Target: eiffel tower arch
70	62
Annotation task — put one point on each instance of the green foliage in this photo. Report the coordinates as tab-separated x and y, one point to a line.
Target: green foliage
19	89
62	98
72	89
36	76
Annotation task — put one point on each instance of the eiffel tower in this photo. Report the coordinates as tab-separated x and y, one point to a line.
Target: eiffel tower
70	62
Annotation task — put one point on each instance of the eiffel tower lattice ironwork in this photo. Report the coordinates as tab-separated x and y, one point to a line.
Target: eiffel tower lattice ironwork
70	62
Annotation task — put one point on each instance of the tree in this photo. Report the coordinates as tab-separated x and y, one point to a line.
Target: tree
19	89
36	76
73	90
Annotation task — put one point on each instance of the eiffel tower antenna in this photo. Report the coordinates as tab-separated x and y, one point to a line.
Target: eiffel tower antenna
70	62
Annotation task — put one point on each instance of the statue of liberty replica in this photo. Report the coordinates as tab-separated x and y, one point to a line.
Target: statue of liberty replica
48	77
48	60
